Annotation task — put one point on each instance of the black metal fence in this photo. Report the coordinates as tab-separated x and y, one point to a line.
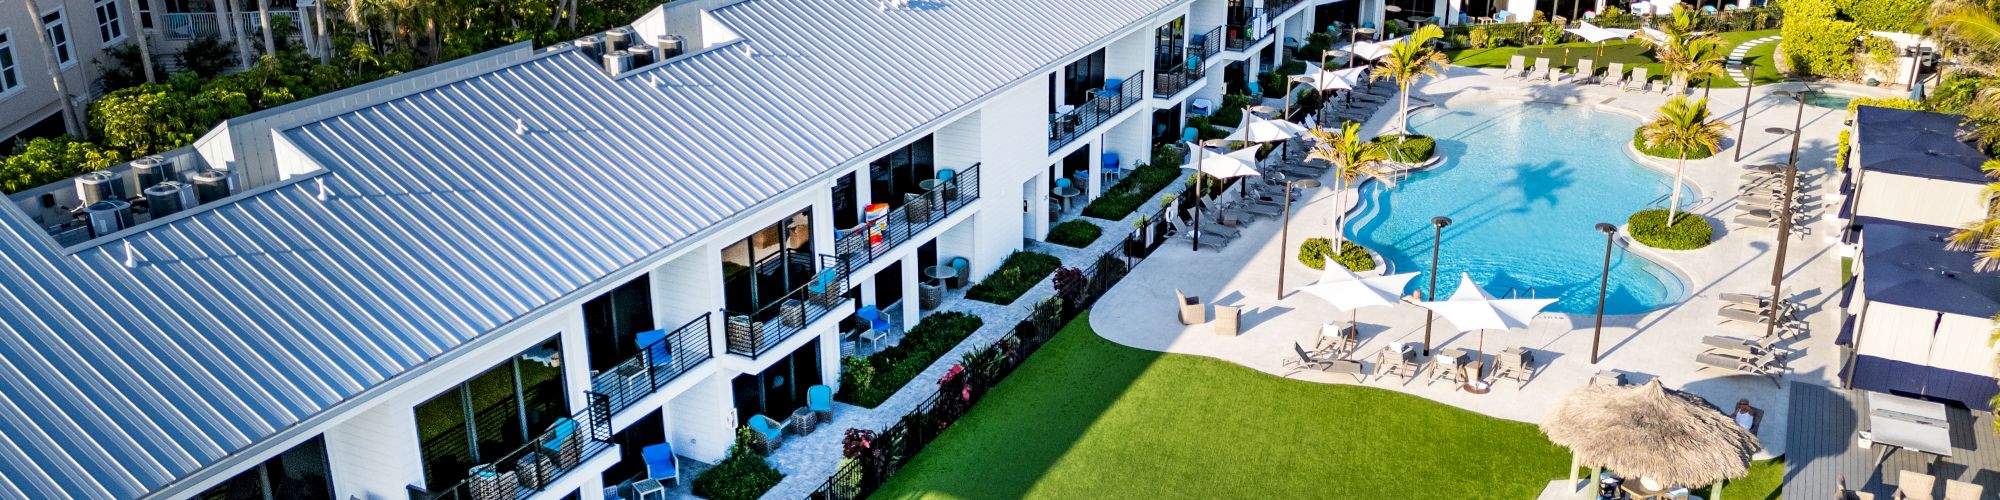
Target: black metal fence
655	365
1175	78
547	457
750	334
1206	45
1273	8
1247	27
1076	289
859	246
1103	104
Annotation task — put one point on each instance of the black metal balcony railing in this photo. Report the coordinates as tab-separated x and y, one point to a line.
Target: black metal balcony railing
655	365
547	457
1206	45
1253	28
1103	104
1170	81
859	246
751	334
1274	8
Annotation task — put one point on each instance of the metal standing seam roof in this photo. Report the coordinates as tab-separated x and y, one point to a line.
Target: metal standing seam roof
1916	143
443	225
1907	264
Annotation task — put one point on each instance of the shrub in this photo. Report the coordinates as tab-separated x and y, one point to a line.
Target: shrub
1816	41
1479	38
1075	234
1071	285
744	475
1879	58
43	161
1881	102
1955	93
1410	148
1688	233
1230	114
856	372
1016	275
922	345
1840	151
1669	152
1314	251
1906	16
1138	185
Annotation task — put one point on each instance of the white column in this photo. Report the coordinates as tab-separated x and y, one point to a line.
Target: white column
912	304
1095	179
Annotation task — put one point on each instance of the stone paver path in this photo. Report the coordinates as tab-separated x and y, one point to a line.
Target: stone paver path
1736	58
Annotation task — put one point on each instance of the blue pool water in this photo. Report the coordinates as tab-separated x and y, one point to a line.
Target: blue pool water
1525	186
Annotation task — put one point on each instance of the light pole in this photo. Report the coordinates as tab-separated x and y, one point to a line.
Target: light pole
1785	214
1285	230
1603	285
1744	123
1437	236
1200	149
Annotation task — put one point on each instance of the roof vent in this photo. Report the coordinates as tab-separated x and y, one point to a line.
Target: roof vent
98	186
213	184
108	216
153	170
617	62
168	197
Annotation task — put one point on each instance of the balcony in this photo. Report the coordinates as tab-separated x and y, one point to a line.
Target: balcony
196	25
1069	124
1206	45
751	334
546	458
1170	81
1247	27
859	246
657	364
1275	8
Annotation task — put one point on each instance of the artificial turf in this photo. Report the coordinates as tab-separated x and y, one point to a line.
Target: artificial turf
1087	418
1632	53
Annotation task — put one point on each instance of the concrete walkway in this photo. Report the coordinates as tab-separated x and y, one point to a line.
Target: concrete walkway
1660	344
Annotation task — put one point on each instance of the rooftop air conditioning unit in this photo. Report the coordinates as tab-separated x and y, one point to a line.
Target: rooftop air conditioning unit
152	170
591	46
168	197
617	62
101	185
108	216
213	184
667	47
618	39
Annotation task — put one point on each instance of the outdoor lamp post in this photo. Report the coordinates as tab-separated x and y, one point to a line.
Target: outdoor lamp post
1285	228
1437	236
1200	149
1744	123
1603	285
1785	214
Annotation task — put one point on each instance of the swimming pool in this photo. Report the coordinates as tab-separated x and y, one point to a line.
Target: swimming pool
1828	100
1524	204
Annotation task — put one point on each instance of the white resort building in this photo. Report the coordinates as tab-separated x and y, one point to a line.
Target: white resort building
644	237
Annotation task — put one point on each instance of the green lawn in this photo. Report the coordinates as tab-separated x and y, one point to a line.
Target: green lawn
1633	54
1086	418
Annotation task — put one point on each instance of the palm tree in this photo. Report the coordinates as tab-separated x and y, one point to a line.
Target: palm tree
1686	55
1683	125
1972	30
1983	236
1409	60
1352	158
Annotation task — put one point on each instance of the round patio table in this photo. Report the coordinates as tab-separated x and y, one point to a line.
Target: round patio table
940	272
1067	194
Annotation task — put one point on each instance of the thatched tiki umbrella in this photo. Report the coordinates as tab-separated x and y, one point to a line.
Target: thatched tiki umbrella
1649	431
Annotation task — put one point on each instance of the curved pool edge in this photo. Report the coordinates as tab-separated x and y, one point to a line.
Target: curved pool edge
1683	284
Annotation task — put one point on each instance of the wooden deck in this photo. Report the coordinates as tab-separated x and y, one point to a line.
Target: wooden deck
1821	448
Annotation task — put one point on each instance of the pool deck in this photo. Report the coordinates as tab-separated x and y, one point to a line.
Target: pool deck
1659	344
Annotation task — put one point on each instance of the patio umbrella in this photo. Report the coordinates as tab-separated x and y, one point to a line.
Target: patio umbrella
1649	431
1239	163
1593	34
1324	80
1375	50
1471	308
1255	128
1348	291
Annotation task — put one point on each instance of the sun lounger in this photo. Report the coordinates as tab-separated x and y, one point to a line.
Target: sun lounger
1607	377
1771	168
1960	490
1516	363
1190	308
1912	484
1752	318
1752	221
1515	65
1678	85
1586	72
1446	368
1541	71
1392	362
1757	301
1712	360
1638	81
1614	75
1181	231
1767	359
1741	312
1725	342
1266	209
1337	339
1308	361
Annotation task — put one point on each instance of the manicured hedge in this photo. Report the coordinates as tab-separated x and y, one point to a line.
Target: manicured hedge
1817	41
1671	153
1021	271
1138	185
894	367
1411	149
1075	234
1689	232
1313	254
1881	102
743	475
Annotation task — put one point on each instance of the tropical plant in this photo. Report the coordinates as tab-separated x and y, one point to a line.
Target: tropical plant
1409	60
1686	53
1970	30
1684	125
1351	157
1983	236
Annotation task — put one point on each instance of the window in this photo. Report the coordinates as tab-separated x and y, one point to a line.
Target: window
297	474
781	388
1083	76
10	75
894	177
758	272
492	414
613	321
59	37
110	26
145	14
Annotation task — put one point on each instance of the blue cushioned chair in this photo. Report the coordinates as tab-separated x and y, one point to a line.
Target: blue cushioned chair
1109	165
1063	182
1188	134
767	429
651	340
878	325
819	399
1255	90
661	462
946	174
